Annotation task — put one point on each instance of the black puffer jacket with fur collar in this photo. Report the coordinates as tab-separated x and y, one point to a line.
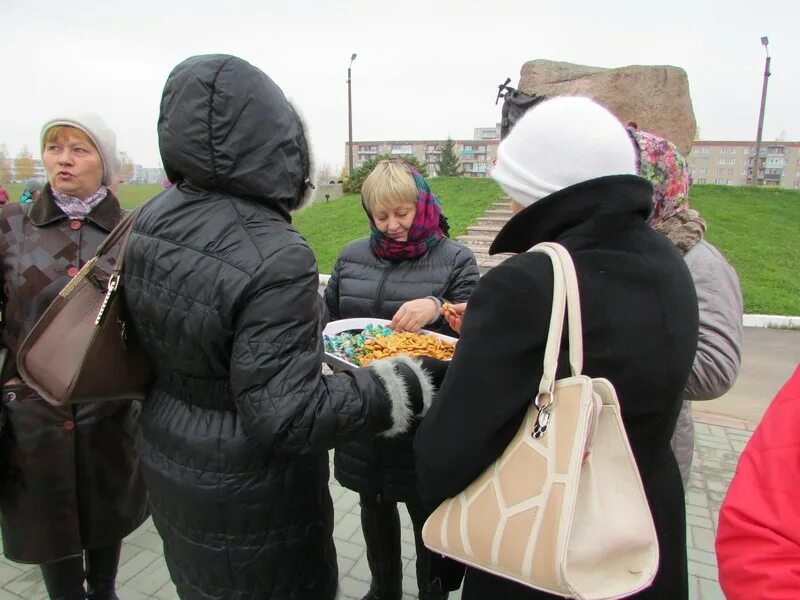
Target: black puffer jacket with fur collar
223	292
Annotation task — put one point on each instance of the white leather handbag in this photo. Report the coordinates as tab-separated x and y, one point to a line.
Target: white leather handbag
563	509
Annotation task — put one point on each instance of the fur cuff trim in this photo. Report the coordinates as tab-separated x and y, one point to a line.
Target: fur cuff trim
396	387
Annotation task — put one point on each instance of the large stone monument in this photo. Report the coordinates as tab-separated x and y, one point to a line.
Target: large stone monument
656	98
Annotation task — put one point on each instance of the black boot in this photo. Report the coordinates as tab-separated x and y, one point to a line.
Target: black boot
380	523
429	586
101	572
64	579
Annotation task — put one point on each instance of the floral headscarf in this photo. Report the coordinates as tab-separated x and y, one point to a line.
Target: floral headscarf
661	163
427	229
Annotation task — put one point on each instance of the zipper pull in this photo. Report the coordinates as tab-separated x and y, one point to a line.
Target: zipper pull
113	283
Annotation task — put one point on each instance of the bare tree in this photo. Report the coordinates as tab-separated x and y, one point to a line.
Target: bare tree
24	167
5	165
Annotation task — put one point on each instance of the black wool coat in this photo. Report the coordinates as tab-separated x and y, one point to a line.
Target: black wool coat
639	314
365	285
224	294
69	475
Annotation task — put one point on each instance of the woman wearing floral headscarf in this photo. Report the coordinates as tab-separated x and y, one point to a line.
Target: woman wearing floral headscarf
719	298
404	272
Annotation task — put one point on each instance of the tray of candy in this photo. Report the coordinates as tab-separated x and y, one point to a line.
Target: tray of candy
344	340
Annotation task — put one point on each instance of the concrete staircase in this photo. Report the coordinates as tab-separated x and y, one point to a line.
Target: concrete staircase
481	235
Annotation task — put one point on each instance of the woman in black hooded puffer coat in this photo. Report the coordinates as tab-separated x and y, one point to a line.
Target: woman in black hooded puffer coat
224	294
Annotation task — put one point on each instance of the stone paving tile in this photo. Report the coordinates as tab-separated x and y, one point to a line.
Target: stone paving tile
143	573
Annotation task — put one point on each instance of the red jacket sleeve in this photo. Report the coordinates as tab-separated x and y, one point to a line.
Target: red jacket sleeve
758	540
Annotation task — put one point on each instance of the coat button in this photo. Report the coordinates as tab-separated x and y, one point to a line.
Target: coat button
75	224
69	425
11	396
72	271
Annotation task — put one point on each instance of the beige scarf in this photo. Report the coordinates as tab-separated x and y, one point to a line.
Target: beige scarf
684	229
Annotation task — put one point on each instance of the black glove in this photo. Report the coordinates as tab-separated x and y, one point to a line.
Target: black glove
437	368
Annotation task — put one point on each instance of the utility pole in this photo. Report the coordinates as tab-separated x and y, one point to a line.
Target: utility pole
350	119
757	159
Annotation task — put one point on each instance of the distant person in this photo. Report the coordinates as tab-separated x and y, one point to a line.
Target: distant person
166	183
719	298
223	292
3	195
403	272
569	167
70	488
758	539
31	190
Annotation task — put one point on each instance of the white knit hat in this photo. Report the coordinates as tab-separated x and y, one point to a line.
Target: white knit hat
101	135
558	143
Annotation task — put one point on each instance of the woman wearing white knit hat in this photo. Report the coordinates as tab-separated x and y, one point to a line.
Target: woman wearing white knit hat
71	487
569	167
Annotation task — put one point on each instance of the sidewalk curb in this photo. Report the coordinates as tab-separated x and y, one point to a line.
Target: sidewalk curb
710	418
775	321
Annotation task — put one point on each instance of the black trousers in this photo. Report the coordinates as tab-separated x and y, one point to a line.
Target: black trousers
380	522
64	579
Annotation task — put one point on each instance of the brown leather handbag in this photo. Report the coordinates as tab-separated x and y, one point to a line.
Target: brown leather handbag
82	349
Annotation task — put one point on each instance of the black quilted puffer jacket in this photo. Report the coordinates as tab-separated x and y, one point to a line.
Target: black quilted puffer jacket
223	292
365	285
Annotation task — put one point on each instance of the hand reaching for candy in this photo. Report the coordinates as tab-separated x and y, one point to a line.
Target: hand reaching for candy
454	314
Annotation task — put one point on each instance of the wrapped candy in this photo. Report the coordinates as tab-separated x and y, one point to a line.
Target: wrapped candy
349	346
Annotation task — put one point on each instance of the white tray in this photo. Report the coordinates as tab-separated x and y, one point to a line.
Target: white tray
356	326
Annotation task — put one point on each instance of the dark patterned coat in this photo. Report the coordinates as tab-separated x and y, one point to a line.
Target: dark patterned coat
70	477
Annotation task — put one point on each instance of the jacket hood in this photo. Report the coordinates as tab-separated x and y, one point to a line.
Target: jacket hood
225	126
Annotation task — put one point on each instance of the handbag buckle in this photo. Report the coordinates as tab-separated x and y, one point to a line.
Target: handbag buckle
544	402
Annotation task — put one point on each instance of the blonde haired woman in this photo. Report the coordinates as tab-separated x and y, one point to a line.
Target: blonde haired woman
404	272
70	488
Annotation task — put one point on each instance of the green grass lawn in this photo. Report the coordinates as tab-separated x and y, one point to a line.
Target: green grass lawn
328	226
14	190
757	230
130	196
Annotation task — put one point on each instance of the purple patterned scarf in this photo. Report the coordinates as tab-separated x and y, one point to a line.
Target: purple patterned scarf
75	208
425	231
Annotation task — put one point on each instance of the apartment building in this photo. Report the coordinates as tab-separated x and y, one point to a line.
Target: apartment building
731	163
476	156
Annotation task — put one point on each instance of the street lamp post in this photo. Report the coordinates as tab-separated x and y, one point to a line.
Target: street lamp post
350	119
765	43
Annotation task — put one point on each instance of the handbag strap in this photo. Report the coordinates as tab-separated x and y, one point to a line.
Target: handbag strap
120	233
566	301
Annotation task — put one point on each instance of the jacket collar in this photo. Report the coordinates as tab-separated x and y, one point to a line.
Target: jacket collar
45	211
589	208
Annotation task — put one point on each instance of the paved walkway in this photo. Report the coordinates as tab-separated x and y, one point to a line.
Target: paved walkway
143	573
722	429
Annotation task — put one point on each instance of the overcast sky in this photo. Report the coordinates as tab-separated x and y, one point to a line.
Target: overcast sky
425	69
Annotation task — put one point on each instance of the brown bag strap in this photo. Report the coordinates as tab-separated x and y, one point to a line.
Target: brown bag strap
120	233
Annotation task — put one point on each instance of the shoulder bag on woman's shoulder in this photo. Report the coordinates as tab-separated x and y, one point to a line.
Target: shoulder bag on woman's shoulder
563	510
81	349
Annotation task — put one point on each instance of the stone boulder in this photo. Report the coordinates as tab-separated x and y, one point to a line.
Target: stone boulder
656	98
